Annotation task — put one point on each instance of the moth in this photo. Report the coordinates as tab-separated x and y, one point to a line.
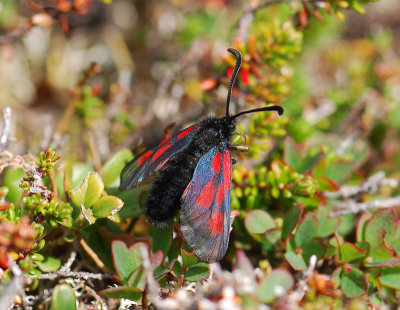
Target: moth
194	177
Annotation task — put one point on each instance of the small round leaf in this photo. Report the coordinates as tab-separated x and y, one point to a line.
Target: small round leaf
63	298
258	222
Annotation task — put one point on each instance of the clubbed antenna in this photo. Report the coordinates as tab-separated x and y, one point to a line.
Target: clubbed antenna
276	108
238	56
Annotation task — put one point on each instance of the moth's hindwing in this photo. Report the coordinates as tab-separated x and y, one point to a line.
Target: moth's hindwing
205	214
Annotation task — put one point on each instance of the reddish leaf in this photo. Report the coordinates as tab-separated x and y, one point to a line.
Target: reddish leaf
303	16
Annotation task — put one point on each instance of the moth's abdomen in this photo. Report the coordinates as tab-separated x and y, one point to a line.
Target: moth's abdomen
165	195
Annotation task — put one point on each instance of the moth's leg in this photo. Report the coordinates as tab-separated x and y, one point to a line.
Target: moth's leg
234	160
242	135
239	148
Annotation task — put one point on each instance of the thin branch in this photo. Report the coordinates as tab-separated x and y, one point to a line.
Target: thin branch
371	186
352	207
16	34
70	261
69	112
92	292
65	272
92	254
8	159
74	274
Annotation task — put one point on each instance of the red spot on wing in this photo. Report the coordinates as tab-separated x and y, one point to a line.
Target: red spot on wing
216	163
219	196
164	141
161	151
185	132
227	170
215	223
206	196
144	157
162	164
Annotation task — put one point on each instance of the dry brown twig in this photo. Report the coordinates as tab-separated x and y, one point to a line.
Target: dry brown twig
70	110
89	291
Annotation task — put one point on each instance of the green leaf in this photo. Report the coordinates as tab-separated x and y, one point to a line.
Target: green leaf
106	206
327	224
390	277
188	259
112	168
176	269
49	264
290	221
174	249
276	284
295	261
11	179
346	225
353	283
161	271
307	230
137	279
162	238
258	222
325	184
383	219
378	247
339	170
273	235
313	248
126	261
89	191
380	263
352	253
131	293
63	298
197	272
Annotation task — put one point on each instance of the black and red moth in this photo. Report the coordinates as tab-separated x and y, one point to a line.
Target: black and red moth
194	176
